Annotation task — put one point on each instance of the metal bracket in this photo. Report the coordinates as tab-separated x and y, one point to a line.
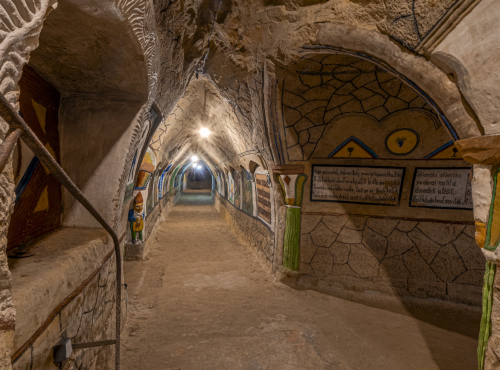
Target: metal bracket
63	349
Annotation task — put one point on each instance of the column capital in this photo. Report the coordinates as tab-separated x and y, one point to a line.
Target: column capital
292	188
480	149
288	169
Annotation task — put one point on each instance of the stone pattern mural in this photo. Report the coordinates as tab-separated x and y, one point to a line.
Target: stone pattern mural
250	231
90	316
325	87
409	258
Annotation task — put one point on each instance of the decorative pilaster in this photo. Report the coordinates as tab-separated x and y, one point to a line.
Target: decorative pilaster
484	152
292	188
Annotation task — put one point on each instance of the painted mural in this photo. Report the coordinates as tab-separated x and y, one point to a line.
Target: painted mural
237	184
161	184
150	203
340	106
263	197
38	202
230	184
247	192
146	170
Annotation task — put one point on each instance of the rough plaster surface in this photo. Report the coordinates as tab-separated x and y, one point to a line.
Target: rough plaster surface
470	52
90	49
206	302
93	165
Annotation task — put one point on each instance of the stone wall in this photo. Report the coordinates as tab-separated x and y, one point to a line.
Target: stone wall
250	231
89	316
407	258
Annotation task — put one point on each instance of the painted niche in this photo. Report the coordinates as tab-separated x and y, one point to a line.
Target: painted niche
146	170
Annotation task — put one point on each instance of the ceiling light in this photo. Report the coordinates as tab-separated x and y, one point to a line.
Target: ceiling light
204	132
194	158
199	167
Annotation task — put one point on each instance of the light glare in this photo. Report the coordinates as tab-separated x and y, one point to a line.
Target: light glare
204	132
194	158
199	167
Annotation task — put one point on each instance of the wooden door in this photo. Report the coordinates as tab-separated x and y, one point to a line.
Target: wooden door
38	193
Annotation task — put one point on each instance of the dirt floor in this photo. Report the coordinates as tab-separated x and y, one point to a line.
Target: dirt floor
203	302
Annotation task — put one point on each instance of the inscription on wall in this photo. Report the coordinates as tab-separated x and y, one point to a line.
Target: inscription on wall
357	184
442	188
263	198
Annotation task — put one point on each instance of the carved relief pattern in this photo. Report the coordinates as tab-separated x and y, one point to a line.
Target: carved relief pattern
322	88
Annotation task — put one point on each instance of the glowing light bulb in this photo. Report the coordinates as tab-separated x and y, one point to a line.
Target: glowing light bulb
199	167
194	158
204	132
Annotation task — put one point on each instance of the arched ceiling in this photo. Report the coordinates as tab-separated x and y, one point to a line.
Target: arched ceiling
202	105
214	56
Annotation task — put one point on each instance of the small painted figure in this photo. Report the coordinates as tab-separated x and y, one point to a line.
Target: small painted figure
136	218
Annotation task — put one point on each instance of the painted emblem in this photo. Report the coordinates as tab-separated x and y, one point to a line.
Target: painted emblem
402	142
447	151
352	148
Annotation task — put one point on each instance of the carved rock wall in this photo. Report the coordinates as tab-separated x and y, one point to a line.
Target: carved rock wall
20	27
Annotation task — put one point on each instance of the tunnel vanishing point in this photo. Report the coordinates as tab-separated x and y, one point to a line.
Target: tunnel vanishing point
249	184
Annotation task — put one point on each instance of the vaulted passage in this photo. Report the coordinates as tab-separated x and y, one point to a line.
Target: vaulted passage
205	302
249	184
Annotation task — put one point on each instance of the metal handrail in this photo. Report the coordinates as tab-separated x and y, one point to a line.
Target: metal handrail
31	140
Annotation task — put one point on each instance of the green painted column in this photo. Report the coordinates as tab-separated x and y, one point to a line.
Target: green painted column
491	243
292	189
291	250
485	328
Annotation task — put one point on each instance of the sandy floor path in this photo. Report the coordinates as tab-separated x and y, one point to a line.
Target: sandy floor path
203	302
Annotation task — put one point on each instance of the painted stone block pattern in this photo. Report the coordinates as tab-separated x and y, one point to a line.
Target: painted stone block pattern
90	316
420	259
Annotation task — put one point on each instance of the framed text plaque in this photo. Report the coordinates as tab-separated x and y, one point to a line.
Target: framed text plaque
448	188
357	184
263	198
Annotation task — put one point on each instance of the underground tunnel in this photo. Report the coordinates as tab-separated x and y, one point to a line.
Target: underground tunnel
249	184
